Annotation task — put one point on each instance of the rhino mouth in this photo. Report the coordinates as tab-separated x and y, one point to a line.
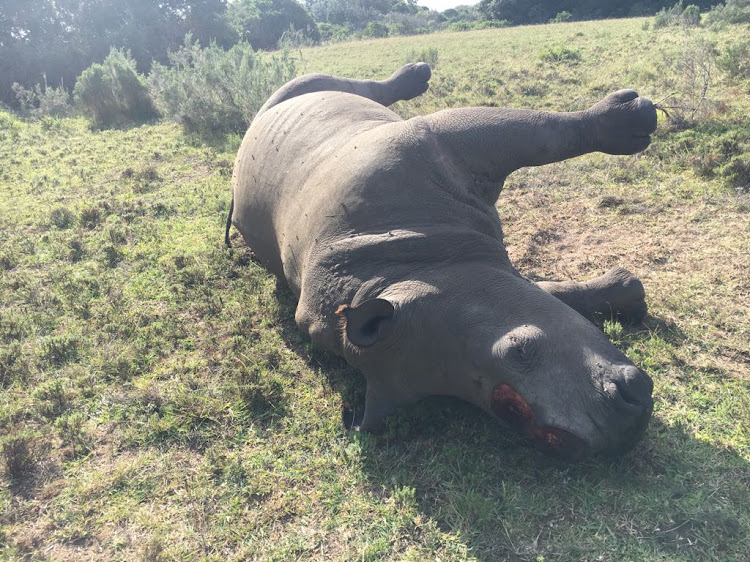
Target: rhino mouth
508	405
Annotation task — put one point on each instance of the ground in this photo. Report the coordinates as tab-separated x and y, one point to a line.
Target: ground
158	402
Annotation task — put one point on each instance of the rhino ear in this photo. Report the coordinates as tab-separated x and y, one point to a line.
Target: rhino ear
364	324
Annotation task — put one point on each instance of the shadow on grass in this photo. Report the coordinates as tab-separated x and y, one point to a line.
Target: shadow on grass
673	497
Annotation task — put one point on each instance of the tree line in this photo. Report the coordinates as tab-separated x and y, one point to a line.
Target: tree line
53	41
541	11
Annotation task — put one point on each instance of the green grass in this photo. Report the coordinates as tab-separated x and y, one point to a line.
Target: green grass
158	403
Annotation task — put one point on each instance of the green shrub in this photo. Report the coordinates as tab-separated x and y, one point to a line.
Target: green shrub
460	25
677	15
562	17
262	23
735	60
491	24
375	29
212	92
430	56
559	54
332	33
732	11
112	93
43	100
18	454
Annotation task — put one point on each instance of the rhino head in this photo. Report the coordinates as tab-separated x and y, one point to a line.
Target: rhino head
502	343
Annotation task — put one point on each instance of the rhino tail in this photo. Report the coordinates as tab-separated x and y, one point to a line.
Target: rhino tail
228	242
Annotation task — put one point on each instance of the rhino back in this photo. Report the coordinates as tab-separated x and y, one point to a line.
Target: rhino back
341	197
279	154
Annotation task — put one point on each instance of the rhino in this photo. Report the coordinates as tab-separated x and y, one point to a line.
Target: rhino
387	233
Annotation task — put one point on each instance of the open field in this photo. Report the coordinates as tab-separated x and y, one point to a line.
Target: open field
157	401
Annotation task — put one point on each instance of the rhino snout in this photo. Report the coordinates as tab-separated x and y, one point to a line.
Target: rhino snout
619	421
632	412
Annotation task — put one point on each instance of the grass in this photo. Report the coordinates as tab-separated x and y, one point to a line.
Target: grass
158	403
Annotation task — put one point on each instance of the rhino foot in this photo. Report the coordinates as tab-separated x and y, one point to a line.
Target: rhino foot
618	295
410	80
623	123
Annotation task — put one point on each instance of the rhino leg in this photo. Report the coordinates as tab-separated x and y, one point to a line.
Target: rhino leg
381	400
490	143
616	295
406	83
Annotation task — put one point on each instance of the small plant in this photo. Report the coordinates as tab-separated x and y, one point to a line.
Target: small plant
17	452
72	430
693	69
562	17
430	56
60	349
613	329
52	399
112	93
10	364
560	54
43	100
62	217
735	60
375	29
294	38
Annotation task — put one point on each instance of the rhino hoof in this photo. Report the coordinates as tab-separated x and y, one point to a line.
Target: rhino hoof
622	296
410	80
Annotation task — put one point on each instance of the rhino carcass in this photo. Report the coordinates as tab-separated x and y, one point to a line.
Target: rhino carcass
386	231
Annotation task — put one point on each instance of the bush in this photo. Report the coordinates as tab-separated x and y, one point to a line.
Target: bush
430	56
375	29
491	24
461	25
562	17
735	60
42	100
262	23
212	92
677	15
112	93
18	455
331	32
732	11
559	54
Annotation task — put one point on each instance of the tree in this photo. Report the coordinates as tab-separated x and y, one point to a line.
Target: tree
357	13
60	38
263	22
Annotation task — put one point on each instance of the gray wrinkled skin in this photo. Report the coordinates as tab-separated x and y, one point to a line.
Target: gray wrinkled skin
386	231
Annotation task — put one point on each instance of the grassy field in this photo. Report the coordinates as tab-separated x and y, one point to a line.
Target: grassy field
158	403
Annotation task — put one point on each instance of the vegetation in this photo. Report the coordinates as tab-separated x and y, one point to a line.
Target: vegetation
60	38
113	93
678	15
212	92
732	11
539	11
263	22
55	40
157	401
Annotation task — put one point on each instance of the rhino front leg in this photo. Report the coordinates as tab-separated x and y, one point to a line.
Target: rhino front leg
408	82
491	143
617	295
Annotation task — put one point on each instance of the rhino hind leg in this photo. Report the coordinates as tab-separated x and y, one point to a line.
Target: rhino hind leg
408	82
616	295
